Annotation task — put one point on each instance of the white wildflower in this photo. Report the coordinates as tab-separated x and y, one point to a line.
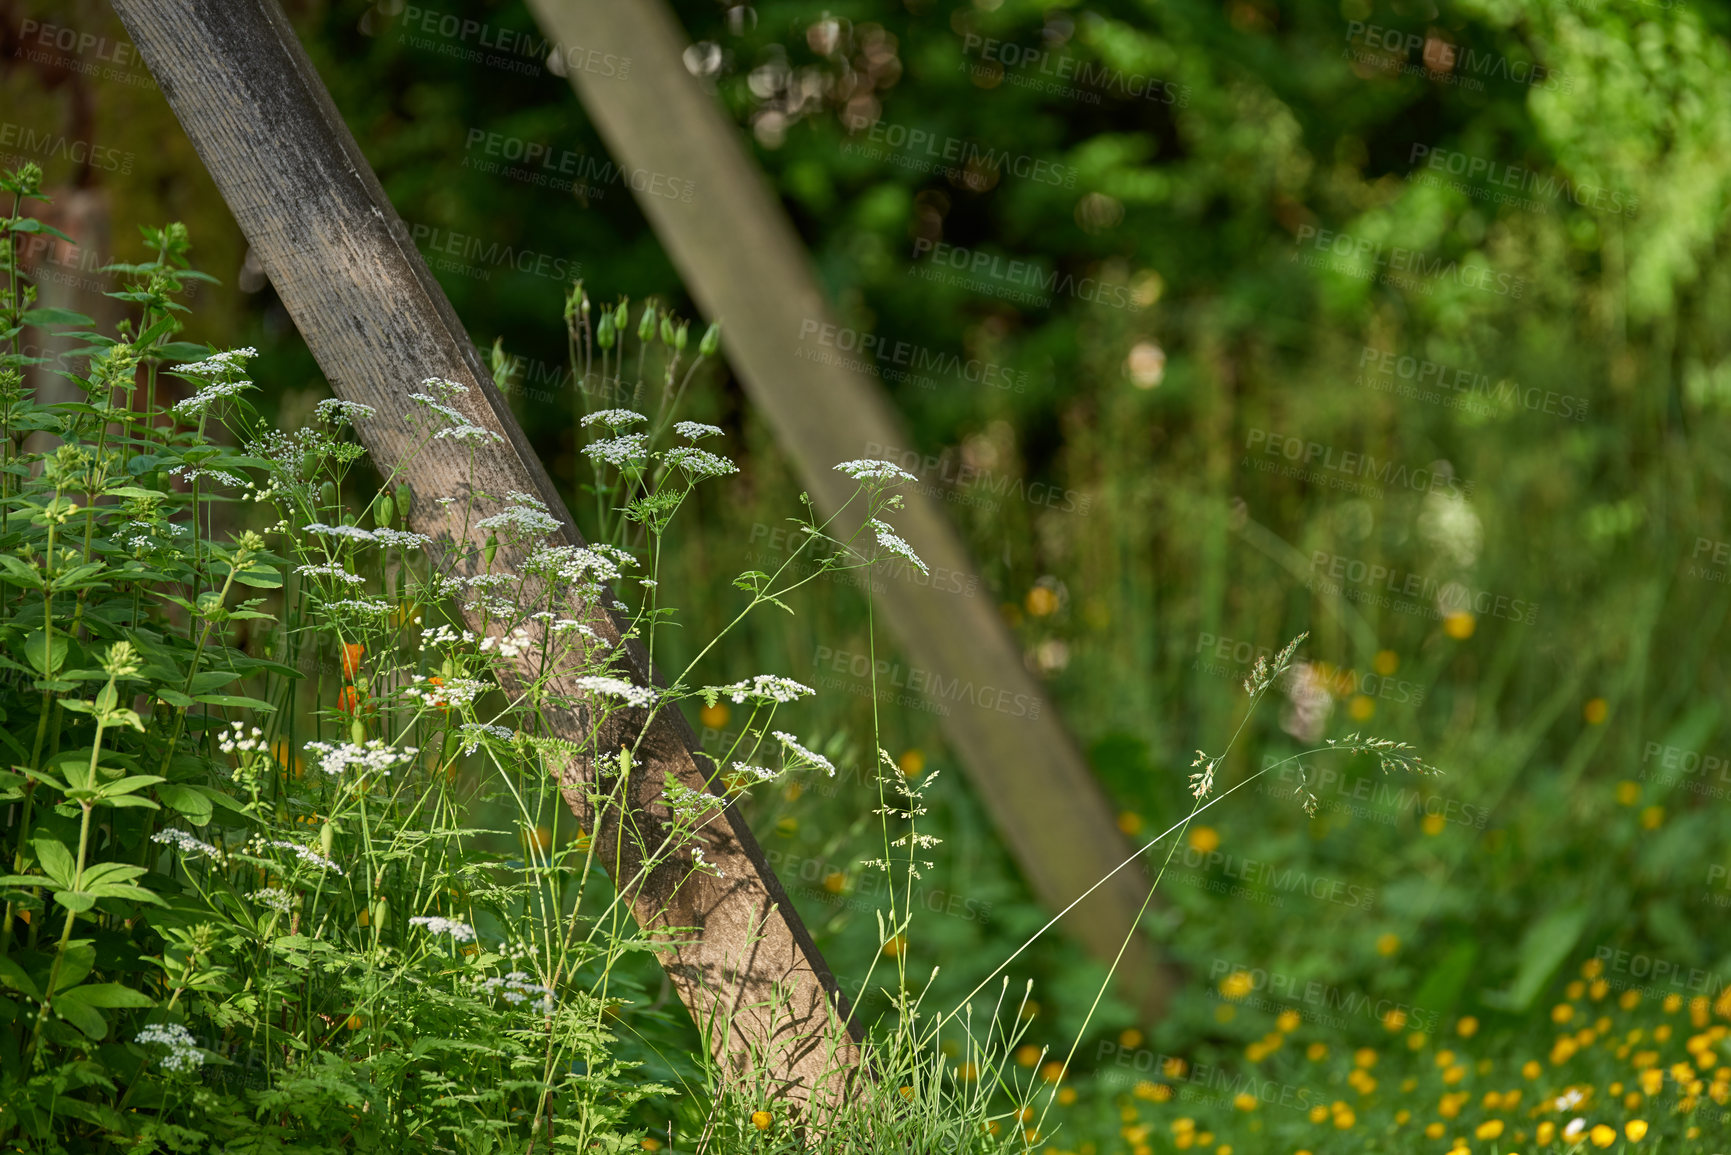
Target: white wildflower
184	842
461	931
810	756
218	363
520	521
765	688
872	469
509	645
699	463
698	863
334	411
208	396
516	988
401	538
619	451
360	606
307	855
467	433
236	738
696	430
474	732
614	419
347	532
372	757
276	898
628	692
452	693
183	1052
330	570
891	542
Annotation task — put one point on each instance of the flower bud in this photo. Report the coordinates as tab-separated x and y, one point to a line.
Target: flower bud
604	331
384	510
646	326
327	838
711	340
491	549
403	498
681	334
666	329
327	495
621	317
358	732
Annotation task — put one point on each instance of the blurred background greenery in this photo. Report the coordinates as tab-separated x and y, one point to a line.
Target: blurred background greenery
1480	242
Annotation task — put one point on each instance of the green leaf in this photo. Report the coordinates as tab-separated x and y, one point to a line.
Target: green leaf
175	698
55	317
81	1014
108	995
209	680
126	890
181	350
1543	948
37	649
75	900
130	784
76	963
12	975
186	800
56	861
233	700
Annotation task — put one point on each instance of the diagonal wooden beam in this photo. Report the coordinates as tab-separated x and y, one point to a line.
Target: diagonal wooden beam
738	254
378	323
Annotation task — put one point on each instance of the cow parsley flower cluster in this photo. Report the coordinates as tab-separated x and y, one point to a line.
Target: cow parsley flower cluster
699	463
335	411
372	757
184	842
474	732
330	570
208	396
614	419
696	430
764	688
812	757
359	606
521	521
447	693
346	532
703	866
217	364
872	469
510	645
619	451
461	931
891	542
467	433
628	692
518	988
276	898
401	539
183	1052
306	854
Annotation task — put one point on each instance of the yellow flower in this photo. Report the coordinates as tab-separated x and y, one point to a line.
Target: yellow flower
1489	1129
1129	823
1652	818
911	763
1244	1101
714	717
762	1119
1394	1020
1066	1096
1174	1068
1052	1071
1130	1037
1289	1020
1547	1132
1204	839
1041	601
1364	1057
1562	1013
1319	1114
1459	625
1433	824
1402	1117
1602	1136
651	1144
1467	1027
1027	1054
1345	1119
1387	944
1316	1052
1361	708
1531	1069
897	944
1595	711
1236	985
1433	1131
1386	662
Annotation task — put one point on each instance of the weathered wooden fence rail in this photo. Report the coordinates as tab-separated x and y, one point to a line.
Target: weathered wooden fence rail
378	323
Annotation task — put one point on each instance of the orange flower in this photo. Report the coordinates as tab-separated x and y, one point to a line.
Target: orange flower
348	699
351	660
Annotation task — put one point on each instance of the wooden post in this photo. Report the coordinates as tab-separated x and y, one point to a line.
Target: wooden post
744	264
378	323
